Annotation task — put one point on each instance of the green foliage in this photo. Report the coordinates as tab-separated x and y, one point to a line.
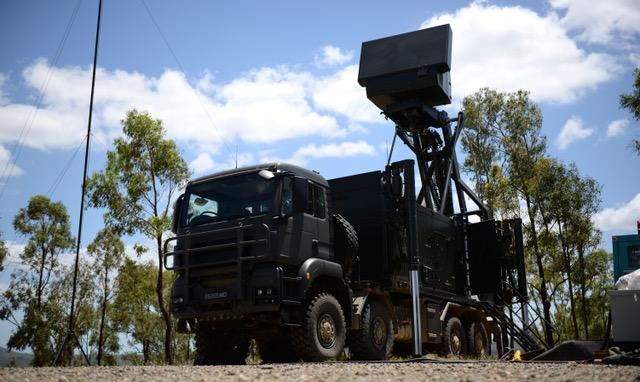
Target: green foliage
137	186
140	179
35	288
483	115
138	313
632	103
107	251
501	198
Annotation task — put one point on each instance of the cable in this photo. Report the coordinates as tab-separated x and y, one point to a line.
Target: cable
24	132
175	57
64	170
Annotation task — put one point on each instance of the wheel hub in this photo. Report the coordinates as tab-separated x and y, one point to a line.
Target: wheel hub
479	342
326	330
455	343
379	331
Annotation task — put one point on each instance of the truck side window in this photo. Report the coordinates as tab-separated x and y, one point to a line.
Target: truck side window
319	201
316	204
310	198
287	196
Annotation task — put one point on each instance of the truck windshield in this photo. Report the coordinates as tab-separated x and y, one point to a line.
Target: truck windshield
228	198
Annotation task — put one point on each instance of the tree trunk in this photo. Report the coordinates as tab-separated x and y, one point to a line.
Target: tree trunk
567	270
39	291
583	293
102	316
546	304
168	353
145	352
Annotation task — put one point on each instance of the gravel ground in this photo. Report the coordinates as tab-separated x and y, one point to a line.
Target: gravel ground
340	371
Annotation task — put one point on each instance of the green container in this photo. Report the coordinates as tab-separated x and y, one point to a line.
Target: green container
626	254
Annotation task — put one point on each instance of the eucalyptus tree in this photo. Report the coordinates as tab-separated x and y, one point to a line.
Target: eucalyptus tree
107	251
142	176
138	313
45	225
505	129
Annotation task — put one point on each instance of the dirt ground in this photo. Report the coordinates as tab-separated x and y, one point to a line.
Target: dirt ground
335	371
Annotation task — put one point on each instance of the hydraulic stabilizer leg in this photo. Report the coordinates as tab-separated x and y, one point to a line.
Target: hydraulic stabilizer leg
415	306
412	246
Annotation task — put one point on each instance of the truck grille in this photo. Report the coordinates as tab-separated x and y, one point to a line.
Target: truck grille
217	247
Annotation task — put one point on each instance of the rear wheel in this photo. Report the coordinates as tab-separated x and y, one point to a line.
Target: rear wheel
478	340
323	331
455	341
219	347
374	339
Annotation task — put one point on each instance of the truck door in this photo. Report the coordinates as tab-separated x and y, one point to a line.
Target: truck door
307	234
322	219
316	216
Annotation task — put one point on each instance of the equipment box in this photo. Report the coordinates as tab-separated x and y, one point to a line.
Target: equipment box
625	312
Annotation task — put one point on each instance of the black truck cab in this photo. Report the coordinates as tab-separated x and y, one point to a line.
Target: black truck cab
246	240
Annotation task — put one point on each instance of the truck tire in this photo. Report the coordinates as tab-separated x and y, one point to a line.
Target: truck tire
345	243
478	340
276	349
323	331
217	347
374	339
455	340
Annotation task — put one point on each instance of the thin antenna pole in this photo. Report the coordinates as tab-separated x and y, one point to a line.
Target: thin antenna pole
236	156
70	331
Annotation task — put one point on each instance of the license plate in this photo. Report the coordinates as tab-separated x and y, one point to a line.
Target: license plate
216	295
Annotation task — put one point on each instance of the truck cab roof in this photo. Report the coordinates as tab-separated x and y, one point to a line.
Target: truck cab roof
273	166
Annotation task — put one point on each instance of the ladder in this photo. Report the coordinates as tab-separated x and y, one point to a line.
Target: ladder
520	335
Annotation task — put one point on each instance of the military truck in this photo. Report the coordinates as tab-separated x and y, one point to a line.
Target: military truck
308	266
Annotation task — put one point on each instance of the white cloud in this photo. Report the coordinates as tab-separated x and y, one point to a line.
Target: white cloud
331	55
206	82
617	127
619	218
203	163
510	48
601	21
6	168
264	105
330	150
340	93
336	150
572	131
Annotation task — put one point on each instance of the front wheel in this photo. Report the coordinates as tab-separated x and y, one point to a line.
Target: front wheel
323	331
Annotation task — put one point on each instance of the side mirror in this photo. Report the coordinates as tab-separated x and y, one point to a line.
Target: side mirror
300	191
177	208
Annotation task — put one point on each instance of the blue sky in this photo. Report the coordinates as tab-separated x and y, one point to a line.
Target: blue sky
277	80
